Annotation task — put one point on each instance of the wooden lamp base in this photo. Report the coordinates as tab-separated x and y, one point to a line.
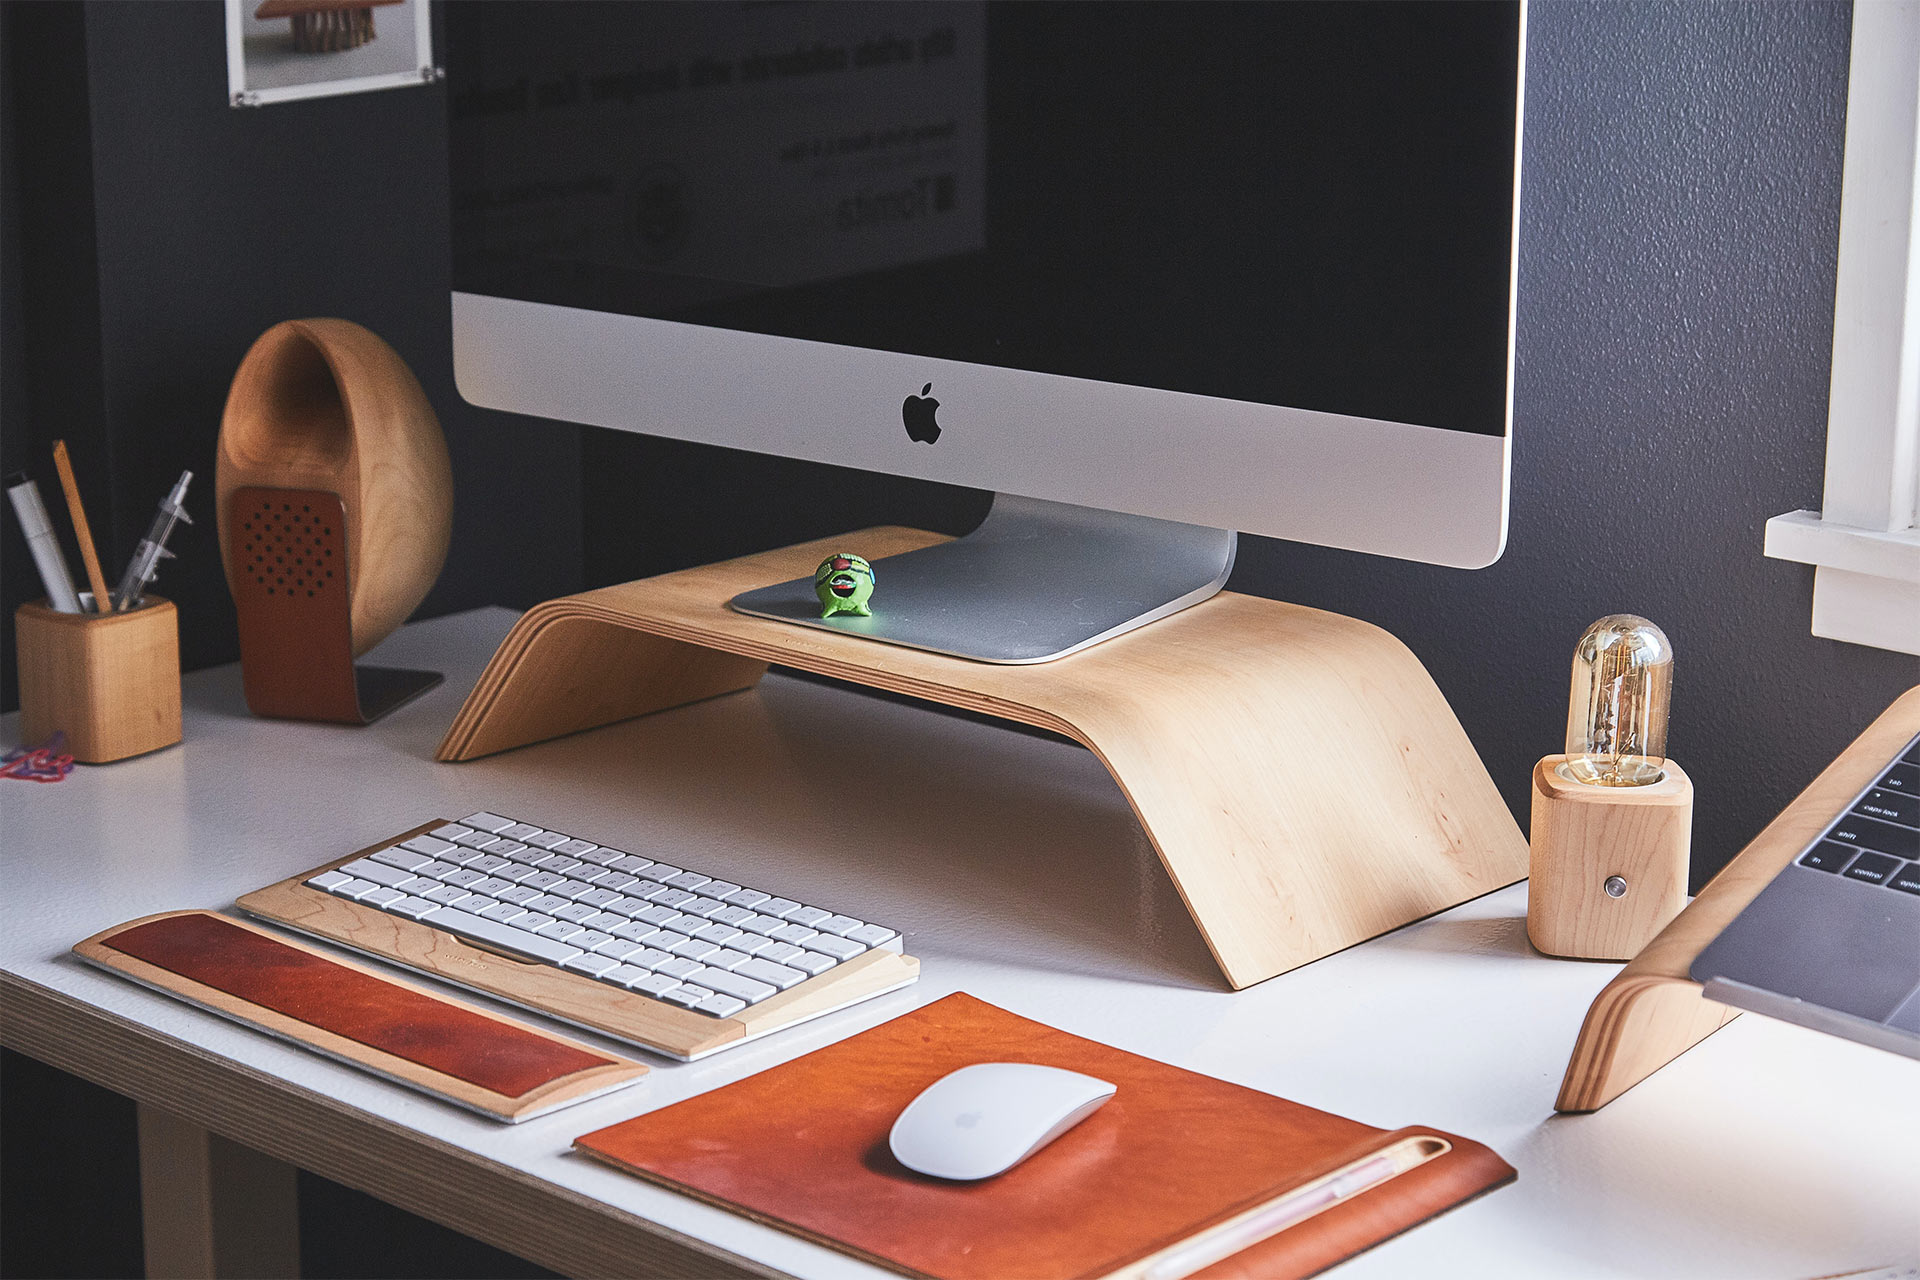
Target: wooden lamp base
1303	779
1609	864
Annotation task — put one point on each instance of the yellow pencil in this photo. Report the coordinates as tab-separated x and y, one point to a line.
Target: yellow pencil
81	531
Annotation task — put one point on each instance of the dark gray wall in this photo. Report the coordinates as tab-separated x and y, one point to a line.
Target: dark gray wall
1679	220
165	230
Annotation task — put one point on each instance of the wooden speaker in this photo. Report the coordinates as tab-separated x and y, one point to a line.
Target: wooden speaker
1608	864
335	502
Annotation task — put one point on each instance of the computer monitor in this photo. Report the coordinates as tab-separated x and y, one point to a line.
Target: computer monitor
1153	273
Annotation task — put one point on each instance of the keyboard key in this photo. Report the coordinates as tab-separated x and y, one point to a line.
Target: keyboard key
779	975
463	877
746	898
618	881
547	902
838	948
543	880
601	856
1827	856
728	958
470	901
491	887
763	924
503	849
720	933
624	975
618	948
1903	778
1890	806
780	952
688	925
721	1006
719	889
813	962
382	897
571	889
491	823
627	906
416	884
1873	868
679	967
533	921
752	944
519	893
488	864
1871	833
591	940
445	893
605	921
796	934
655	915
656	984
873	934
560	930
687	880
630	863
403	858
432	846
662	871
779	908
693	948
1906	879
702	907
519	831
598	897
460	855
559	862
592	966
574	848
671	897
329	880
576	912
474	839
734	984
506	937
412	908
448	831
808	916
731	915
546	839
838	926
686	995
502	911
434	870
378	872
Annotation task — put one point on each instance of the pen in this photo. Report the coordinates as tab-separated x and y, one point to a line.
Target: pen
153	548
1270	1220
82	532
25	495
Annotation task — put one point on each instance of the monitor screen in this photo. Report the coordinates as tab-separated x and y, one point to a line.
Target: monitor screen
1301	206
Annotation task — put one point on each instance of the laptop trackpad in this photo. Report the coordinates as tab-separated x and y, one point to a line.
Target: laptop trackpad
1850	947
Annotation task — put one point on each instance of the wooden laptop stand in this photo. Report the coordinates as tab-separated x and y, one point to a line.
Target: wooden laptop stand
1303	780
1652	1011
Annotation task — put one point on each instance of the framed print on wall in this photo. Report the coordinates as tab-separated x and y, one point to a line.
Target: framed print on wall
284	50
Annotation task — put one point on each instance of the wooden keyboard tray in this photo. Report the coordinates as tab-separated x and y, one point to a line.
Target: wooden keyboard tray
1652	1011
571	997
1303	780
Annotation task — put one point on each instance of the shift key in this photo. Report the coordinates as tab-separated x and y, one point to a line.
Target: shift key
467	925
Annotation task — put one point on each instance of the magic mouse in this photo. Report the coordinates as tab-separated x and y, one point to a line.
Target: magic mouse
983	1120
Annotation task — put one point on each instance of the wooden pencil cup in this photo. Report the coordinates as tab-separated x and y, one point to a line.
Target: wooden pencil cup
1608	864
110	682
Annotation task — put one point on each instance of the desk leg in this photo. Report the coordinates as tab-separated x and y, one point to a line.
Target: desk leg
213	1208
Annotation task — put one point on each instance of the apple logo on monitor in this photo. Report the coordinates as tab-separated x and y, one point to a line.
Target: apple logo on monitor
917	412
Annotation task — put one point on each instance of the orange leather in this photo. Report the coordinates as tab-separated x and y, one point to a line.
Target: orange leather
804	1146
360	1006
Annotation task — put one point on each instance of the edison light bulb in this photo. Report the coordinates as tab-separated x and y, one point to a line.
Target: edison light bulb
1617	717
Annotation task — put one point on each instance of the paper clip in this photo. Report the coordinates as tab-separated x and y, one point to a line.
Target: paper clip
44	763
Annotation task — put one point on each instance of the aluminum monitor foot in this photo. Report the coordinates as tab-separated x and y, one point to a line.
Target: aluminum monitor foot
1036	581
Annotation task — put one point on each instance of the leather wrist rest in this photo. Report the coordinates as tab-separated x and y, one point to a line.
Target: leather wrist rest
490	1053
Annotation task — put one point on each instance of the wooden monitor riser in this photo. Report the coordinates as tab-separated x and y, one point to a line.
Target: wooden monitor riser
1652	1011
1303	780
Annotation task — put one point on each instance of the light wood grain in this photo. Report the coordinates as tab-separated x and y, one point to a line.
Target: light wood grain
326	404
547	1224
1581	836
1304	781
110	682
82	530
667	1029
555	1093
213	1208
1652	1012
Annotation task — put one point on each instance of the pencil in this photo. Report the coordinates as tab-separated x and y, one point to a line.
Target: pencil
81	531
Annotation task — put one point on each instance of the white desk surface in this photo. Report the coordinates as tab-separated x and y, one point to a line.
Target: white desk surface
1015	869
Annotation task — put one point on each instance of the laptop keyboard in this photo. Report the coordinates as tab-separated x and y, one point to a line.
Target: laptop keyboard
1877	840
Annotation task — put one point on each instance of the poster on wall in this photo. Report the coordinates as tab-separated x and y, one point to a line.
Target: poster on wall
285	50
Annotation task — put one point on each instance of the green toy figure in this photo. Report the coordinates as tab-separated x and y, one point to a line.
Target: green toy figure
844	584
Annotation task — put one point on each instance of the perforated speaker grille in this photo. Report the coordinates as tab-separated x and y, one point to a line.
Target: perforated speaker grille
289	549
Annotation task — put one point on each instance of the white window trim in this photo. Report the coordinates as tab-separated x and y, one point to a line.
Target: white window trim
1865	540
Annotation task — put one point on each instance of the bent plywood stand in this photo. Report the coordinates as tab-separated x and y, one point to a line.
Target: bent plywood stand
1305	783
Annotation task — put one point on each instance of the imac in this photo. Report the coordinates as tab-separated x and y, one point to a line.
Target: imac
1151	273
